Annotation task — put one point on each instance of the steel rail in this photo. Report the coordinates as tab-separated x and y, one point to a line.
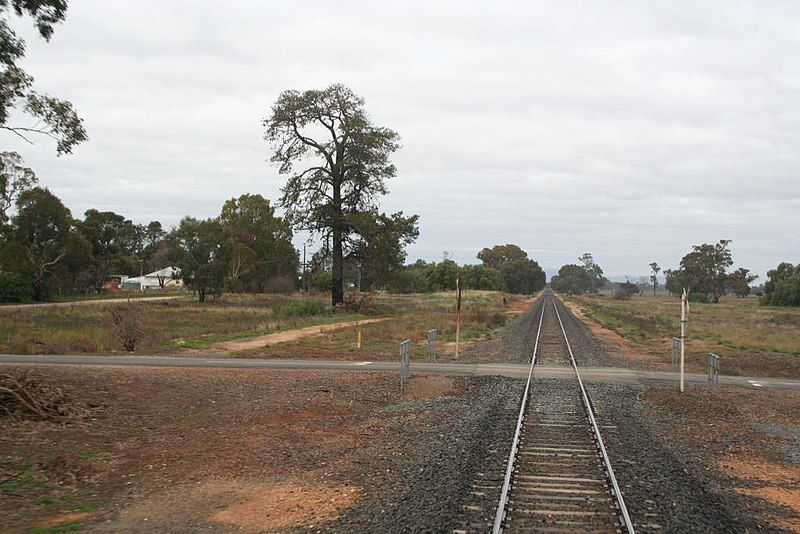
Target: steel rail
501	507
617	493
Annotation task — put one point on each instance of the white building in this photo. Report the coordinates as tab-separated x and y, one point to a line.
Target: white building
168	277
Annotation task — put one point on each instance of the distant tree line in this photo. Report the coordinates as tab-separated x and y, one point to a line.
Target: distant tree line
705	272
584	277
502	268
45	252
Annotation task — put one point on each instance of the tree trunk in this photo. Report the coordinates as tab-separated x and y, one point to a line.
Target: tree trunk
337	291
201	294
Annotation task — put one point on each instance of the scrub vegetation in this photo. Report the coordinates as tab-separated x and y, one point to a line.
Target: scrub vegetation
169	325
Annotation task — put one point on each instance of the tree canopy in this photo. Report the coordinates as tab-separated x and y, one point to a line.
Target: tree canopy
782	287
520	273
378	243
578	279
260	243
52	117
198	250
40	242
703	272
499	255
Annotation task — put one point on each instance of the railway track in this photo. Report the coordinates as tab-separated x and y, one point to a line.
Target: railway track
558	476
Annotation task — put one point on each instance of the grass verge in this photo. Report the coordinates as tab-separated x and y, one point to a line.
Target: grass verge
751	339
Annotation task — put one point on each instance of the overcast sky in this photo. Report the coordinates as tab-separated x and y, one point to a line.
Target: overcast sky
629	129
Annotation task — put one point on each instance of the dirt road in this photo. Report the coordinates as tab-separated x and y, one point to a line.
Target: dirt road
285	336
613	375
96	302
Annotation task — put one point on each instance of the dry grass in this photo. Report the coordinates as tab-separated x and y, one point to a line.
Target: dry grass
482	312
752	339
174	324
178	324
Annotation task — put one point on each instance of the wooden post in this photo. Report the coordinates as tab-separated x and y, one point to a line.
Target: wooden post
358	342
458	315
684	313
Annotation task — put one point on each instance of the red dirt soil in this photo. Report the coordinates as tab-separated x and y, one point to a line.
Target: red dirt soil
225	449
731	427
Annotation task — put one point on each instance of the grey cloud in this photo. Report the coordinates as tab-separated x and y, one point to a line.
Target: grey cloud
631	129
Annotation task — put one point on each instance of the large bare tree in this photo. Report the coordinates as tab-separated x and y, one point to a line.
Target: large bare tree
337	162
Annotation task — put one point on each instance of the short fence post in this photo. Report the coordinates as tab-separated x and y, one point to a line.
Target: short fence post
405	362
432	344
676	354
713	370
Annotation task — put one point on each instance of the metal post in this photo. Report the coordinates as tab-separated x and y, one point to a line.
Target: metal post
405	362
432	344
676	354
684	311
408	359
713	370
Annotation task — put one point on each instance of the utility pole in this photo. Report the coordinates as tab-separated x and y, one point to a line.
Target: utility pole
304	285
684	320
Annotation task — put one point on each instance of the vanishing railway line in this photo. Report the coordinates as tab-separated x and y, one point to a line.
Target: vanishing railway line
558	477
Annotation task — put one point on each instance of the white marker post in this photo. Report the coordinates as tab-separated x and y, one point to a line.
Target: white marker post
458	314
684	313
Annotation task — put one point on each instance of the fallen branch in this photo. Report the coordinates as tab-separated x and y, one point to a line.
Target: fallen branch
22	393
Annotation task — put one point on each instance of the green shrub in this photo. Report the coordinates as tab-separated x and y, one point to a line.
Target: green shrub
323	281
496	320
784	293
15	288
304	307
482	277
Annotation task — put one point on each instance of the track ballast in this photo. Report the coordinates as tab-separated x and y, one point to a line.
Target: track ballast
558	477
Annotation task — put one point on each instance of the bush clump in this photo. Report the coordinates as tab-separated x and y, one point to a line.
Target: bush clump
303	307
129	324
783	286
15	288
496	320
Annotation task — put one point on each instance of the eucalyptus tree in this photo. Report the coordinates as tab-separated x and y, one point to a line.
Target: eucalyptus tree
703	272
201	253
260	243
51	116
337	161
15	178
41	244
520	273
655	268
